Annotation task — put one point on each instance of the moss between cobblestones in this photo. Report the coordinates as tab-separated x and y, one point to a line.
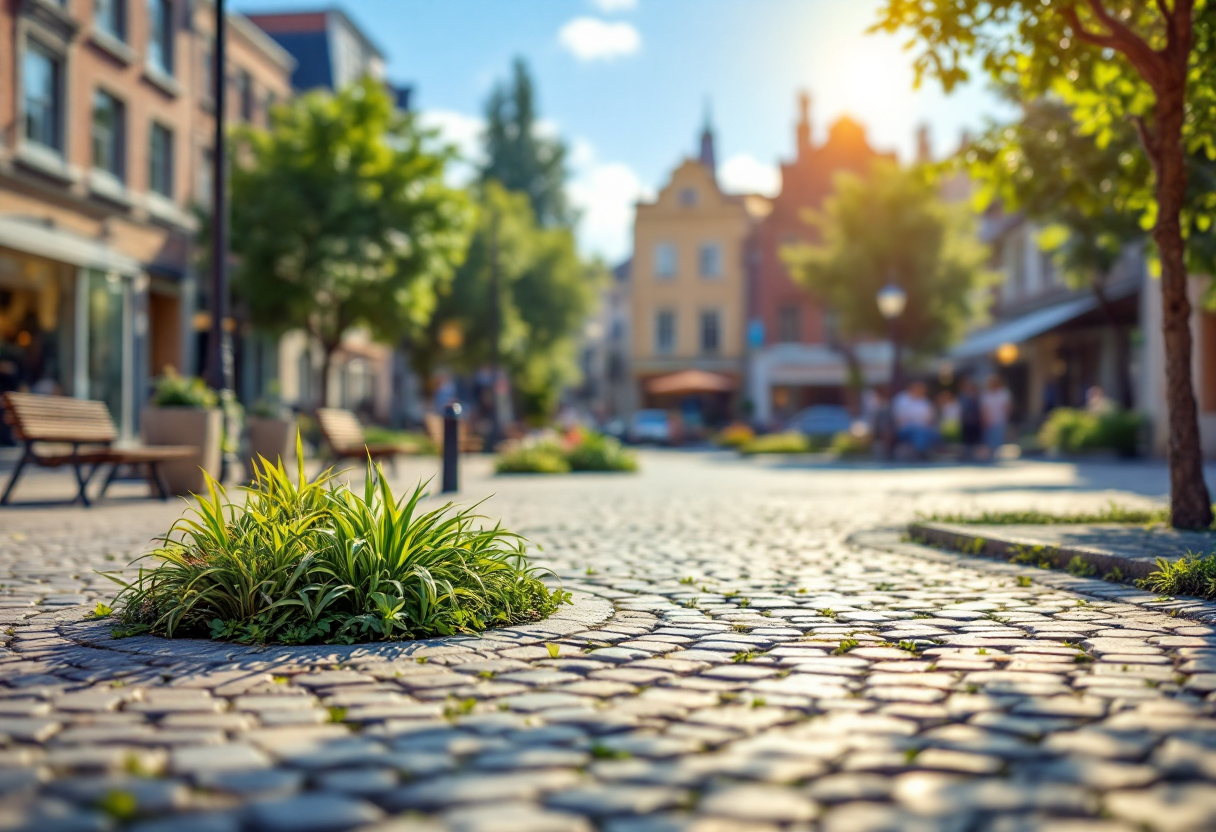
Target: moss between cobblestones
305	562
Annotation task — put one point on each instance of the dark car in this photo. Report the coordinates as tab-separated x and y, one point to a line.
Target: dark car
821	421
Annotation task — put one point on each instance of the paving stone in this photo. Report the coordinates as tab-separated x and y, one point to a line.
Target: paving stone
759	804
608	801
514	817
311	813
1180	807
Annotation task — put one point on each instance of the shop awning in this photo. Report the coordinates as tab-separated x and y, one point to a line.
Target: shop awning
1020	330
57	244
690	381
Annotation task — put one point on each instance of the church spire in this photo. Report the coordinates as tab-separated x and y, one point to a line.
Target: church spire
804	125
707	142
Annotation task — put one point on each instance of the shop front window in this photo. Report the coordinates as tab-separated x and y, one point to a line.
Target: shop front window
106	342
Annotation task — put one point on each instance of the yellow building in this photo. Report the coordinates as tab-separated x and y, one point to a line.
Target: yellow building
689	294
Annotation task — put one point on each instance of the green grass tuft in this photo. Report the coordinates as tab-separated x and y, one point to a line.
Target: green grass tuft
1113	513
1189	575
306	562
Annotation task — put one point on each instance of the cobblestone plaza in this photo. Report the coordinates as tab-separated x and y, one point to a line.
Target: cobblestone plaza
745	654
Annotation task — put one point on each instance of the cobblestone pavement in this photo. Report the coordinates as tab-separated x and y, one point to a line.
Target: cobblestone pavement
732	663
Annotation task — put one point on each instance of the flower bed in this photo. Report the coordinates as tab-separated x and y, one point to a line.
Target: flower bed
578	450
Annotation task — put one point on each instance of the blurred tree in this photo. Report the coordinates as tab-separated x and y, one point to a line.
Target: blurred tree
1113	62
545	294
892	226
519	156
341	218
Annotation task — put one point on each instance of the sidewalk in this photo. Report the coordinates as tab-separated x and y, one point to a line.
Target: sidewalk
1133	549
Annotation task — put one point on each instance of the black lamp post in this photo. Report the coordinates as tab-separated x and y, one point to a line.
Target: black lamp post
219	343
892	300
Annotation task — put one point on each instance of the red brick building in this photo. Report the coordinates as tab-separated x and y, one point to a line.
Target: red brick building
793	363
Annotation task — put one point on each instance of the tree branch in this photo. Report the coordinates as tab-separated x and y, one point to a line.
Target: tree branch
1121	39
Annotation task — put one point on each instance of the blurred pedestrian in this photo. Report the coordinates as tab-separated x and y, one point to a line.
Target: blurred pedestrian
915	419
995	405
970	419
1097	403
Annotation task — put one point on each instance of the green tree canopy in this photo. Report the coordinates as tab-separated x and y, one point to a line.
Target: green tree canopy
341	218
1114	63
519	156
545	294
892	226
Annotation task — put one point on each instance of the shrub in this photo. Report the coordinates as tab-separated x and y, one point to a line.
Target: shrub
734	436
403	438
1189	575
597	452
303	562
777	443
176	390
1073	431
847	443
536	458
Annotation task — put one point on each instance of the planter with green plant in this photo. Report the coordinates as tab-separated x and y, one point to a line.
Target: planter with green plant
185	411
270	429
579	450
303	562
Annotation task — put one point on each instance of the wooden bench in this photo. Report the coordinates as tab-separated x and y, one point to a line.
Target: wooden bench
58	431
469	442
343	433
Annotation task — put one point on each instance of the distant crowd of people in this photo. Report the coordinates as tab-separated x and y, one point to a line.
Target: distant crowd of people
978	420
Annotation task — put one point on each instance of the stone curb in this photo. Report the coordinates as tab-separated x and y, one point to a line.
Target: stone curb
891	540
587	611
951	537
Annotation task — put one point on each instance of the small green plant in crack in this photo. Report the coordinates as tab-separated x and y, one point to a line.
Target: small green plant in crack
910	755
688	580
422	659
845	646
1080	567
884	587
739	628
590	571
919	615
982	651
603	752
485	674
1115	575
336	713
120	805
458	707
731	594
743	656
972	687
1023	580
766	614
1151	683
745	602
552	649
727	696
827	612
758	702
101	611
691	603
1082	658
909	647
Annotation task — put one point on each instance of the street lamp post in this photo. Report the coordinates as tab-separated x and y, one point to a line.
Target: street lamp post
892	300
219	345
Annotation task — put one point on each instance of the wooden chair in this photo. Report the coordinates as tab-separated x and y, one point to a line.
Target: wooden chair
344	435
469	442
58	431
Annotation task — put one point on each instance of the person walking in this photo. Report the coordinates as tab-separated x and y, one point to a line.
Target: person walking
970	419
995	404
915	419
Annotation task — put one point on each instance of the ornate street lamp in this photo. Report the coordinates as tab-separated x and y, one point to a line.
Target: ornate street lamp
892	300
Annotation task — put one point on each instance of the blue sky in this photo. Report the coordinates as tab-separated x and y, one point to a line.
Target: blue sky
625	83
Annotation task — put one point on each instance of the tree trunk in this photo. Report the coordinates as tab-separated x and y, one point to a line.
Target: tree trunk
327	359
1190	505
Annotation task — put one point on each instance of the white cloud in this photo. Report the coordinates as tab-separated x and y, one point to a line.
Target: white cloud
463	131
745	174
591	39
605	194
610	6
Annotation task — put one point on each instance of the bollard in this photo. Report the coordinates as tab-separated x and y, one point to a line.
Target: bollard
451	448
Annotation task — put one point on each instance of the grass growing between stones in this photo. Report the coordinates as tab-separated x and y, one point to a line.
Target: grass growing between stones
1112	513
304	562
1191	575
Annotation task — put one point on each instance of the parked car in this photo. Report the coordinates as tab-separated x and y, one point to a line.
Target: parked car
650	426
821	421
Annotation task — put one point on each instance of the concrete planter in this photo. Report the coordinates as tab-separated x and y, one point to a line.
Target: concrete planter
201	427
273	439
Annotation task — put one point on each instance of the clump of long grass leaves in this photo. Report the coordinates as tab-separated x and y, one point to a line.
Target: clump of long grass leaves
1189	575
305	562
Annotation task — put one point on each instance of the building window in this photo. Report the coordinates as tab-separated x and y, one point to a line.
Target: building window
709	260
160	35
665	332
789	324
688	197
244	95
108	131
41	79
665	260
711	332
110	16
160	160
